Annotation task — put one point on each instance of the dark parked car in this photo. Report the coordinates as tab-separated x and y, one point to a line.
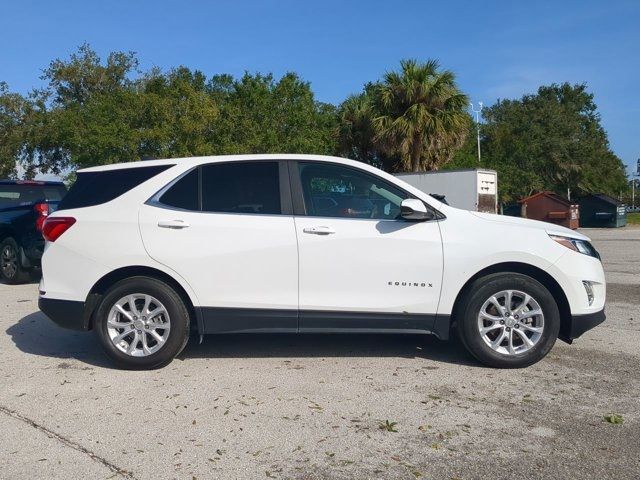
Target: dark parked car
24	205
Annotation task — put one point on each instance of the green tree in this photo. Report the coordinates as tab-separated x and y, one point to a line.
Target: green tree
356	132
259	114
94	112
421	115
467	155
178	116
550	140
13	110
75	81
83	116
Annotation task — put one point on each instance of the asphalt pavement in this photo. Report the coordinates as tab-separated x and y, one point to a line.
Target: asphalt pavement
324	407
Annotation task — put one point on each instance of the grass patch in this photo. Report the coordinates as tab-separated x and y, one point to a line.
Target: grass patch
388	426
633	218
614	418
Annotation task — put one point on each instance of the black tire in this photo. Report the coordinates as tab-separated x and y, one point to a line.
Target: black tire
472	302
178	313
10	269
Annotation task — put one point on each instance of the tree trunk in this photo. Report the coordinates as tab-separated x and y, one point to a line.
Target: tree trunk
415	156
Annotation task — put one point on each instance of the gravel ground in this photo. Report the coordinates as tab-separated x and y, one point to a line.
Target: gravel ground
312	407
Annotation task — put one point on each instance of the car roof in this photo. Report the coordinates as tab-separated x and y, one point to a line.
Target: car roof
31	182
186	161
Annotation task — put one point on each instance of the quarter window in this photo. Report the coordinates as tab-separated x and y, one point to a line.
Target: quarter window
241	187
184	193
96	188
335	191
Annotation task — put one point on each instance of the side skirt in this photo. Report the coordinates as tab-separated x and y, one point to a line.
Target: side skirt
213	320
247	320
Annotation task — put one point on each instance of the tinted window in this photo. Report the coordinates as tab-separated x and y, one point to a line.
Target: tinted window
184	193
246	187
336	191
54	193
20	194
94	188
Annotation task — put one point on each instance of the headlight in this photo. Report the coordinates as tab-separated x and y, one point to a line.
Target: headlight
580	246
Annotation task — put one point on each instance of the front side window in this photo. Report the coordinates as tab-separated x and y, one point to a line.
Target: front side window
241	187
332	190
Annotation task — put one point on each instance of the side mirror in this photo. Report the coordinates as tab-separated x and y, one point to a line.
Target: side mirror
414	209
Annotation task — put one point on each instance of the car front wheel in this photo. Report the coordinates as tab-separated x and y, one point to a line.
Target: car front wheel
508	320
142	323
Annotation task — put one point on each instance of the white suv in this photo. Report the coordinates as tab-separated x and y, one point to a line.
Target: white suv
143	253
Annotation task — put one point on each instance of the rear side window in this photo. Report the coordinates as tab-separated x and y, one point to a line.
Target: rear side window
241	187
184	193
95	188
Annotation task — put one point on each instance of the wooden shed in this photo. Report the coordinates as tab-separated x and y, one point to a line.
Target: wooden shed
550	207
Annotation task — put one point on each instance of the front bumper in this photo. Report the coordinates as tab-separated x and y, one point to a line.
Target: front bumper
66	313
578	324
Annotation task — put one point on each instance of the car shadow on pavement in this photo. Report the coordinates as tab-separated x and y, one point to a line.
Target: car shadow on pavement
328	345
35	334
34	279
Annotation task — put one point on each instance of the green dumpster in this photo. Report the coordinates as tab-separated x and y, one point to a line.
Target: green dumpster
600	210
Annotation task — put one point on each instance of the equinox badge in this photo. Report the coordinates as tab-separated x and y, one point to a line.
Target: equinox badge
410	284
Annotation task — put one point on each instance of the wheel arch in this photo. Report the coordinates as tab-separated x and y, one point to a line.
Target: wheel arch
102	285
5	233
534	272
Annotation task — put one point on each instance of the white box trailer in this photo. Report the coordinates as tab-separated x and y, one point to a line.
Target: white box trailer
469	189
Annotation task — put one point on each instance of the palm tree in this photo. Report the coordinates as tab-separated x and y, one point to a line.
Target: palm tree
356	135
421	115
355	130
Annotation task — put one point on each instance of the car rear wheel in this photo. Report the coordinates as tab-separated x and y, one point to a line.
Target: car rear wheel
10	269
142	323
508	320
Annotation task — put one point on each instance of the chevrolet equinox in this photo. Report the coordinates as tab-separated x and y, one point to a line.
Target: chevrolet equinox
145	253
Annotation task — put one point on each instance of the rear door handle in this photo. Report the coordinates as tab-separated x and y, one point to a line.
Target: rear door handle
319	230
175	224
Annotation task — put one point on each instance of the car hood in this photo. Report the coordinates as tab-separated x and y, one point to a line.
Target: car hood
550	228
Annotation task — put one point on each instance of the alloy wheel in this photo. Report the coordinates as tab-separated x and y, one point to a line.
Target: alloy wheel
511	322
9	261
138	325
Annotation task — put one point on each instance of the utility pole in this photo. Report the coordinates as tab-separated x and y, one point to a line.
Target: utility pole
633	185
477	112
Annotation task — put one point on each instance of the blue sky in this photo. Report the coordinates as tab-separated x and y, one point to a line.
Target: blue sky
499	49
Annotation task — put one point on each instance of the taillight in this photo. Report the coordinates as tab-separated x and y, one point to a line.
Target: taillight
42	210
55	226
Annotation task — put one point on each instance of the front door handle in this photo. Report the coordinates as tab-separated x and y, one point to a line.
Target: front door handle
319	230
175	224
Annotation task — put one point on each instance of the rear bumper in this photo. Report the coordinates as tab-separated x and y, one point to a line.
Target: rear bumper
66	313
580	324
33	253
